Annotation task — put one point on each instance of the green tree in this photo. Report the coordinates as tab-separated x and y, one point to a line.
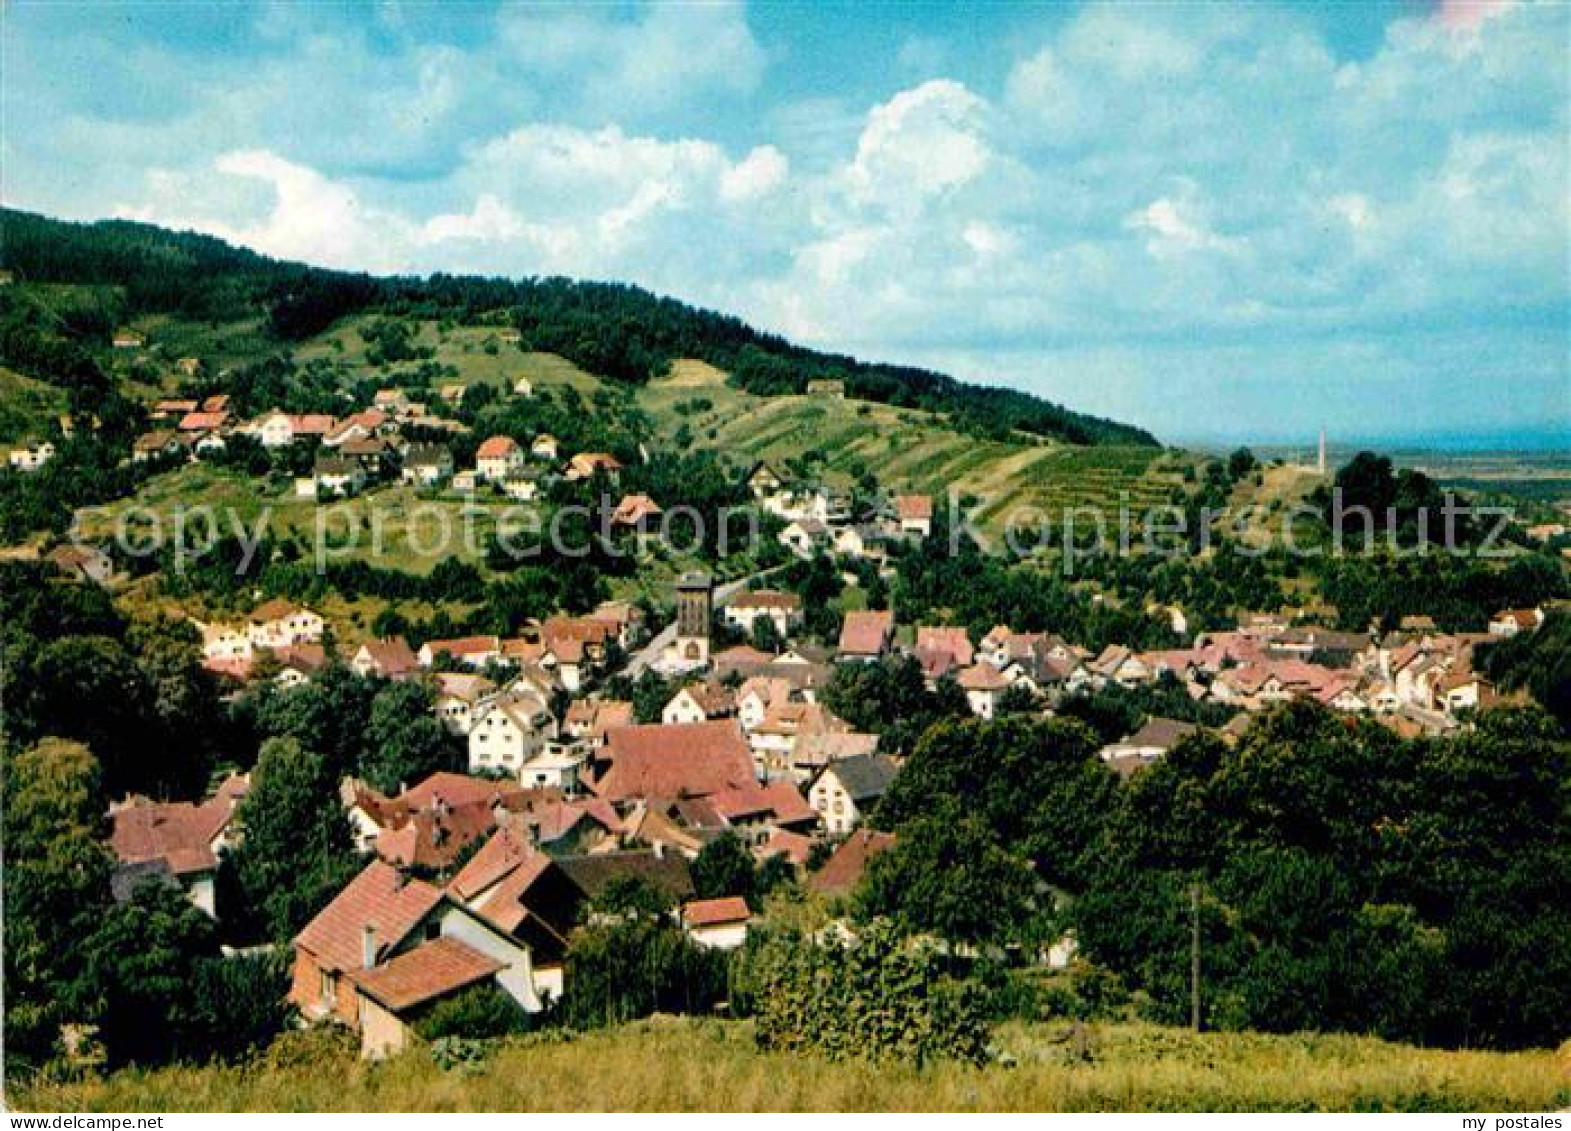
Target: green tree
140	965
55	886
724	867
932	879
404	743
296	850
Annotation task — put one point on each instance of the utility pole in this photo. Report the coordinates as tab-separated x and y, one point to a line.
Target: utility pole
1194	957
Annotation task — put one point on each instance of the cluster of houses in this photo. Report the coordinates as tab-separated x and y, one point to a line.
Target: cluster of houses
370	446
819	518
479	877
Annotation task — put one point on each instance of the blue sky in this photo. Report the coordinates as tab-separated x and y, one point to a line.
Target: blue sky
1239	222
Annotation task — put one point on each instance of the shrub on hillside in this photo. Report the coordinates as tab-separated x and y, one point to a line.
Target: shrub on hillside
879	996
481	1011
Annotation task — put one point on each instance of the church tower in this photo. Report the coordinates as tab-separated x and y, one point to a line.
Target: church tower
694	601
1321	465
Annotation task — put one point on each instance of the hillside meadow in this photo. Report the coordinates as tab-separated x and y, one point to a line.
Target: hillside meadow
693	1065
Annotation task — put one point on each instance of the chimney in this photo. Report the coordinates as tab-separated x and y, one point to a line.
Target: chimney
368	946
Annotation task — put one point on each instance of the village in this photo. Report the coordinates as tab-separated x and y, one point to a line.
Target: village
479	874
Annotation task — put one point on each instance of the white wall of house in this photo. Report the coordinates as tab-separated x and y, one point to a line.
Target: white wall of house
501	740
833	804
517	975
721	936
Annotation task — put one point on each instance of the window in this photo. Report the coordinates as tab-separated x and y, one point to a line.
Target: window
327	990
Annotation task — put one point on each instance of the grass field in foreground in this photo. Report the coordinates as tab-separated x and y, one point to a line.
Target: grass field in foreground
696	1065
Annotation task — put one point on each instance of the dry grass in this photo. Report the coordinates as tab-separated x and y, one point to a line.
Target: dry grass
678	1065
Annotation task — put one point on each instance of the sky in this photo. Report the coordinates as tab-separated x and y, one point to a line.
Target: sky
1219	222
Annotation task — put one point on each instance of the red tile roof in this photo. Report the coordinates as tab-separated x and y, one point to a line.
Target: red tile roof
633	509
497	857
379	897
203	421
692	760
866	632
276	609
714	912
843	871
778	802
392	657
311	423
982	677
912	508
793	846
466	645
766	599
179	832
431	970
951	639
497	447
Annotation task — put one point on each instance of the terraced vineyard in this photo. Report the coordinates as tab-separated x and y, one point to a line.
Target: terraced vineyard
911	450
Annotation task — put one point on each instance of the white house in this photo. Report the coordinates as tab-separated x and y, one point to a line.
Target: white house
803	536
1512	621
278	624
848	789
697	703
746	609
508	733
557	766
983	684
460	698
717	924
426	465
915	514
498	458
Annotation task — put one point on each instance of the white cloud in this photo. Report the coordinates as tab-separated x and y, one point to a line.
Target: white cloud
759	173
1141	175
921	143
1172	229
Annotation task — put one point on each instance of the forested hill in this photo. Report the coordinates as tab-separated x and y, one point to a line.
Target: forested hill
613	330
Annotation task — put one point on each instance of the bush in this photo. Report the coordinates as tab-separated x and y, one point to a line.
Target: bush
482	1011
879	997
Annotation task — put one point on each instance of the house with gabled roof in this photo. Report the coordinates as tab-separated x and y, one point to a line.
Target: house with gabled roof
1509	622
865	634
586	465
279	623
747	608
847	790
983	685
699	702
177	841
915	514
389	657
633	511
472	651
460	697
717	924
388	947
508	732
498	457
1152	741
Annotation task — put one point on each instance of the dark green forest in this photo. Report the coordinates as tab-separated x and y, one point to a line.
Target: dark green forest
614	330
